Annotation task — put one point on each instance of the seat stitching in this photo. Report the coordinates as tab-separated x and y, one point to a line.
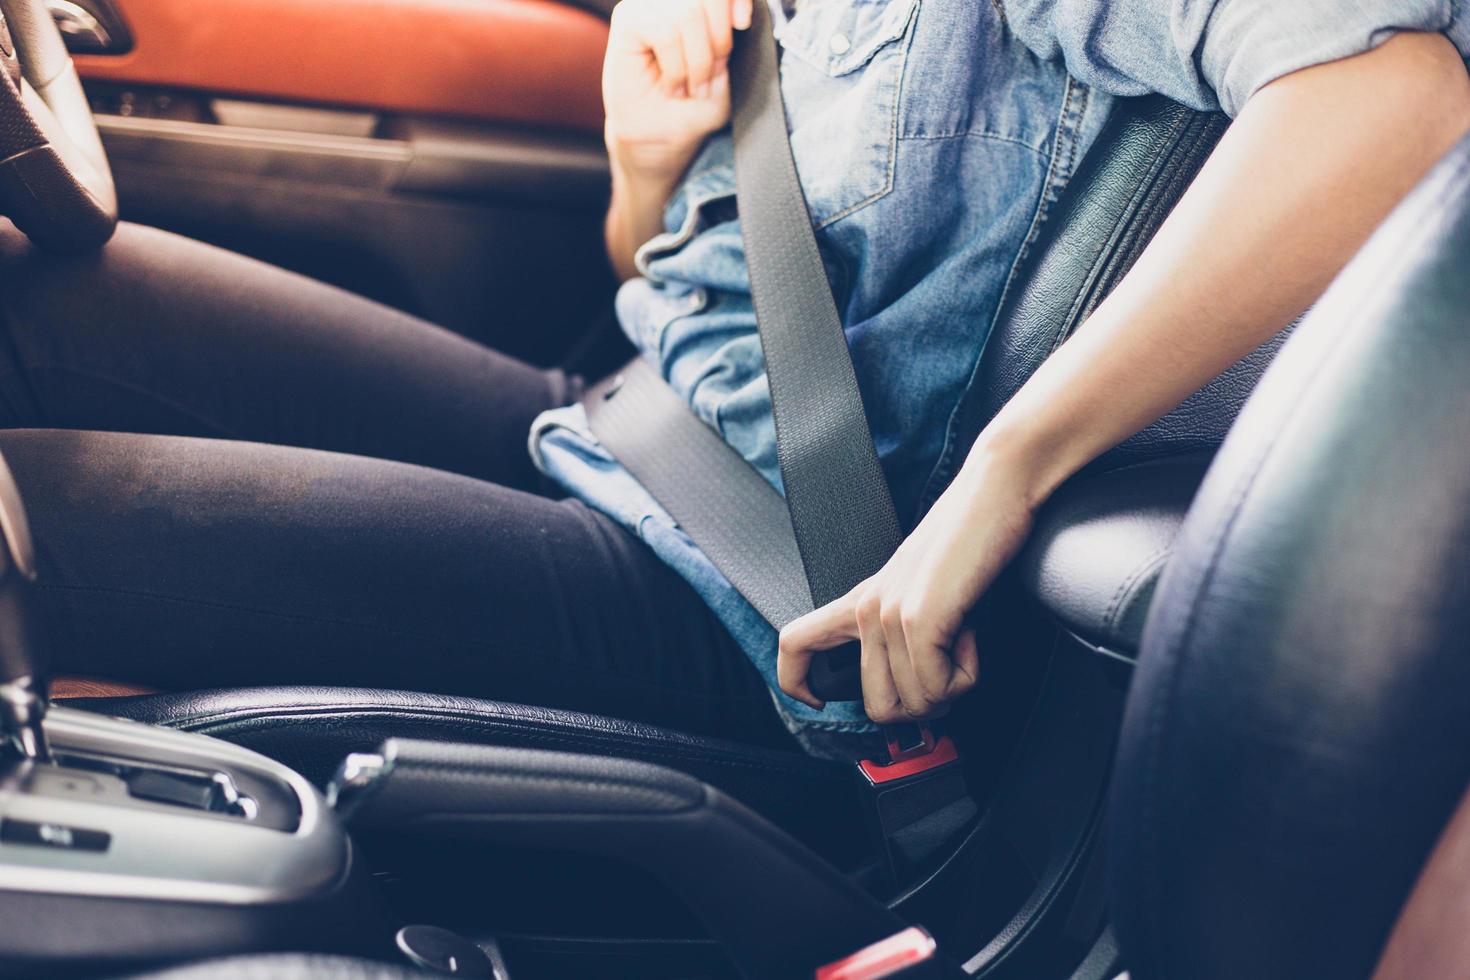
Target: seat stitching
224	722
628	787
1149	564
272	713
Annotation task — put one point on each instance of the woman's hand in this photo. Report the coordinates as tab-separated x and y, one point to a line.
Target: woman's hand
665	88
1238	259
918	655
665	83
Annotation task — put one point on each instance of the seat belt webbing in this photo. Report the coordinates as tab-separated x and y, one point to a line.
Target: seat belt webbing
838	525
841	508
722	502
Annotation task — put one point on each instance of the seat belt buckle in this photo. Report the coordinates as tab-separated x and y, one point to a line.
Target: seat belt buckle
912	741
912	749
891	957
918	800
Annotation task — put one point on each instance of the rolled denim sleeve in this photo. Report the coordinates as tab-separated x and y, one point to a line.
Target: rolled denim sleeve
1216	54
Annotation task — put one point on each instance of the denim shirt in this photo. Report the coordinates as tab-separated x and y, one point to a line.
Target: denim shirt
930	136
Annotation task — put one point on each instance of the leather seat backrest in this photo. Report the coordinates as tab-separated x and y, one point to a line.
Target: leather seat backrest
1146	157
1298	728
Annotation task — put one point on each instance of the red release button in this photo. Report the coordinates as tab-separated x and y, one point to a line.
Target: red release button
882	959
943	753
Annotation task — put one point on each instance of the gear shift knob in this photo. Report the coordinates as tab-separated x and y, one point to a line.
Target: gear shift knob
22	671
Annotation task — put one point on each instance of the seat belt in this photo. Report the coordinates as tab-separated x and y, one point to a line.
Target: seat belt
837	525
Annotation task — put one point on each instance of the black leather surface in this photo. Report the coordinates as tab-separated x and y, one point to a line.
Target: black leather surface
1297	734
437	780
311	729
1101	543
285	966
778	910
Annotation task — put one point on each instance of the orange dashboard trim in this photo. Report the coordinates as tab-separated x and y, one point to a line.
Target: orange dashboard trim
63	688
520	61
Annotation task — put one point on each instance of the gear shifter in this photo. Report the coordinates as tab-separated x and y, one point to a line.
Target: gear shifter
22	681
101	817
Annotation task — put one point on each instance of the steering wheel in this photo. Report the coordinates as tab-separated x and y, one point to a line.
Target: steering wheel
55	183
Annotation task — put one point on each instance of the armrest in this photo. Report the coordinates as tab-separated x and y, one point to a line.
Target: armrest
779	910
1101	543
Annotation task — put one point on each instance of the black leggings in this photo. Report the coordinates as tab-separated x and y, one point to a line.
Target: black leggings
239	476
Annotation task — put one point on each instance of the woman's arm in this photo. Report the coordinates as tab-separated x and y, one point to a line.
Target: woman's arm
1313	164
664	89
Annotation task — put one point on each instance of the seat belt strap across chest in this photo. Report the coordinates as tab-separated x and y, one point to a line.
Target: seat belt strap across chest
841	508
837	524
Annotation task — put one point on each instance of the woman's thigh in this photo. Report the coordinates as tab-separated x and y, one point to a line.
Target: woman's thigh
186	563
157	333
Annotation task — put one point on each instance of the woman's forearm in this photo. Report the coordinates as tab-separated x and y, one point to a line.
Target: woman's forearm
1312	165
634	215
665	88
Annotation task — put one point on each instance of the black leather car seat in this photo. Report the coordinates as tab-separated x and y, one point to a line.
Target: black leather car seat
1143	162
1100	545
1297	734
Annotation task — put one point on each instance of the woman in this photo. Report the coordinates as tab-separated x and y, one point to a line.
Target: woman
930	136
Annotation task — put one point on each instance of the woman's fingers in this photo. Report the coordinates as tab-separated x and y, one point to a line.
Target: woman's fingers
792	666
931	656
740	14
689	41
966	656
911	694
944	666
717	15
911	669
822	629
699	53
802	639
880	695
668	50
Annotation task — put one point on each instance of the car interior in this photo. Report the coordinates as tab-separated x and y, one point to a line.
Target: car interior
1222	727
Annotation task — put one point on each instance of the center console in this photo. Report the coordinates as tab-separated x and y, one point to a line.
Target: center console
134	844
122	844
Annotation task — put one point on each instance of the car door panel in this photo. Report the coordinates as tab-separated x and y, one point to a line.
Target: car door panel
442	156
526	61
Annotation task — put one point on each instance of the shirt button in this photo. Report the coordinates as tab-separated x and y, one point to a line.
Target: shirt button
838	43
